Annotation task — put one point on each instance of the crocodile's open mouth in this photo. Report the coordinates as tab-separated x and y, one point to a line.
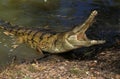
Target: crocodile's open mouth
79	37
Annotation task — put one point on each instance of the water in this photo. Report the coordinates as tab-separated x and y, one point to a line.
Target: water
60	15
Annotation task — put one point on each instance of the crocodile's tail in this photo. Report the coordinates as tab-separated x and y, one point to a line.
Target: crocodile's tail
11	29
5	25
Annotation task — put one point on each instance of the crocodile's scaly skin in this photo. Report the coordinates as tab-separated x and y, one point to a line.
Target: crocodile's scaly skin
53	42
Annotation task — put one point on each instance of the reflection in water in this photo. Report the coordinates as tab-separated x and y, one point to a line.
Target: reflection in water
57	14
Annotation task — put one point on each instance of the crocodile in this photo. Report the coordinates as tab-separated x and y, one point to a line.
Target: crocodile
53	42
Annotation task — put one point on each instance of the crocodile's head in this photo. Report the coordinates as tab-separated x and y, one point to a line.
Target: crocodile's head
78	37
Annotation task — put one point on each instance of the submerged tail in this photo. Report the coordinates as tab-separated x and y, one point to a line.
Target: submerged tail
7	26
13	29
4	24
